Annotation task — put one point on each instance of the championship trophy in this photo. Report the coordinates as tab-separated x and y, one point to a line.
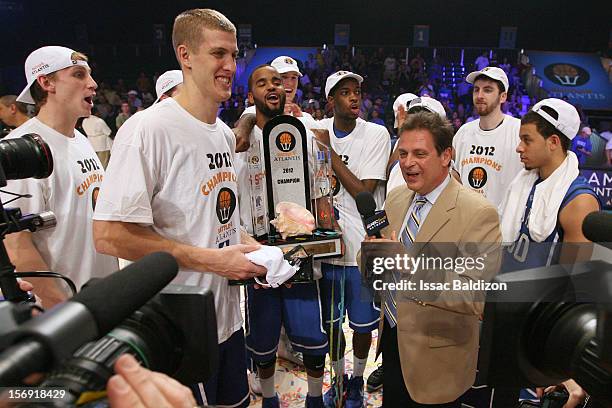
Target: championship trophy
291	197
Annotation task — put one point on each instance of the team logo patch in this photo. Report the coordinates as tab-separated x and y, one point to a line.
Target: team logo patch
567	74
289	61
477	177
226	205
285	142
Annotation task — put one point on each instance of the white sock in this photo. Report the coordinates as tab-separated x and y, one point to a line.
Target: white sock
359	365
315	386
338	367
267	387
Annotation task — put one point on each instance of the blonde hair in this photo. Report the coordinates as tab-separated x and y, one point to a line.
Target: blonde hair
40	95
188	25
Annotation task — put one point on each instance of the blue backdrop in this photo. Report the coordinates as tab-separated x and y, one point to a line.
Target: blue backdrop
578	76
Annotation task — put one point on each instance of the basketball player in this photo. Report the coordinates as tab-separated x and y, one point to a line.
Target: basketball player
171	186
485	156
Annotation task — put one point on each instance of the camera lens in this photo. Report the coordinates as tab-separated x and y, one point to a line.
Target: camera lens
28	156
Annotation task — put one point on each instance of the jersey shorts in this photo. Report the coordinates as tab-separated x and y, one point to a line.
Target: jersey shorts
226	388
297	308
344	293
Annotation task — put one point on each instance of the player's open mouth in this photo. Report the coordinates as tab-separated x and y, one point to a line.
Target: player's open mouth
89	100
273	97
224	80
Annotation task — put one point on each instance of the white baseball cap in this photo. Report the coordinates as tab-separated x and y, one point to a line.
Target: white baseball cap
45	61
568	122
336	77
285	64
167	81
495	73
428	103
402	100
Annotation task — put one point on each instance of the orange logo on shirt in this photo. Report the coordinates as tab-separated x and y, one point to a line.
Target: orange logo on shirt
477	177
226	204
483	161
82	188
220	177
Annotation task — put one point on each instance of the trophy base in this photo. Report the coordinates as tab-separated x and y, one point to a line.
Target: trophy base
321	244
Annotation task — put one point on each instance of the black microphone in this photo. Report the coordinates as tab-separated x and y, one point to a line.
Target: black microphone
373	221
597	227
47	339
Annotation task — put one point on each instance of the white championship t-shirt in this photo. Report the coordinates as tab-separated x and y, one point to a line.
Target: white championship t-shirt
176	174
365	151
487	160
396	178
98	133
70	192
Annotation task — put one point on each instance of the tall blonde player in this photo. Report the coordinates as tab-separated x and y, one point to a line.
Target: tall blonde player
171	186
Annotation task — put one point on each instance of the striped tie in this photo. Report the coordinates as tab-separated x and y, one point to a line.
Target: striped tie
407	238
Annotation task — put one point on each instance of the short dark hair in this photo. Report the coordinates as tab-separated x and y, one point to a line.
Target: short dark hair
500	84
544	127
8	100
441	130
250	80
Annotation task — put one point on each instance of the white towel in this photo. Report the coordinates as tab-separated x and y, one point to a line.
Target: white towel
547	199
279	269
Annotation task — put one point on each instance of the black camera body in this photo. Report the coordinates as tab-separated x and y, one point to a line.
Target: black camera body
174	333
20	158
553	323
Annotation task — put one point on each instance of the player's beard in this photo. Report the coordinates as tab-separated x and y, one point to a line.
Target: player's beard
487	109
262	107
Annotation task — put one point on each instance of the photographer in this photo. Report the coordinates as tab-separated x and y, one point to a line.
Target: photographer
59	83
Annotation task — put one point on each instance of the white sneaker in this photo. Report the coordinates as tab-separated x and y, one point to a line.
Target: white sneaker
254	383
286	352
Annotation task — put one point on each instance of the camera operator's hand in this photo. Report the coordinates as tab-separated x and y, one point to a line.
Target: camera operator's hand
576	397
232	263
383	238
133	386
25	285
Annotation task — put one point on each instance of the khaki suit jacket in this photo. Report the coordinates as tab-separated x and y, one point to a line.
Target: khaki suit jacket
438	340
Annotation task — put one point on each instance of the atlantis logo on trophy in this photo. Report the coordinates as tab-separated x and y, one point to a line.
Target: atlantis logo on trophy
285	142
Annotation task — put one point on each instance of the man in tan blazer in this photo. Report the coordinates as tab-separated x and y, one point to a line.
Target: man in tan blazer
430	347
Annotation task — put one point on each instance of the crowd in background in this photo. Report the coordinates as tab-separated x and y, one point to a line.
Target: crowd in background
387	73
